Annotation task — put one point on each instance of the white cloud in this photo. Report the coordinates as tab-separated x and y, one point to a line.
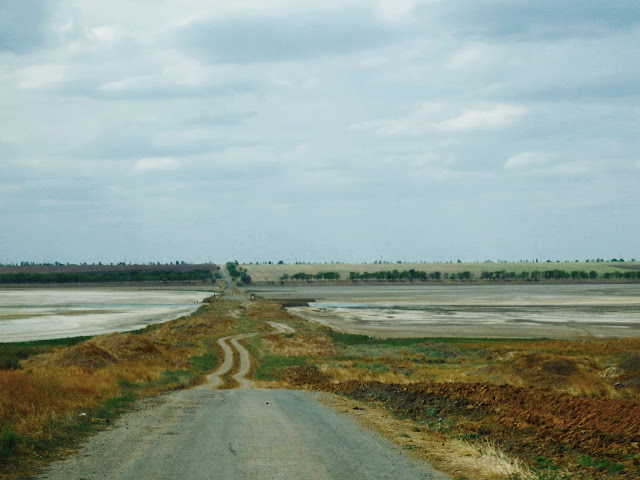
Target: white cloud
579	168
428	118
157	163
396	10
499	116
526	160
470	55
435	98
103	34
41	76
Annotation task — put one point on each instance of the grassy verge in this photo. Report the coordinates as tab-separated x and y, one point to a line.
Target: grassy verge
54	392
537	408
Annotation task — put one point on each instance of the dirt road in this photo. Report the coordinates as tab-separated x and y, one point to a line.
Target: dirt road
216	379
237	434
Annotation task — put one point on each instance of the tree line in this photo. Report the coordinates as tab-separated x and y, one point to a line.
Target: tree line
310	276
464	276
106	277
238	273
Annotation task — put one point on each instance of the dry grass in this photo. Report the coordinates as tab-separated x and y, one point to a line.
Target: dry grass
458	458
44	400
350	372
31	400
300	345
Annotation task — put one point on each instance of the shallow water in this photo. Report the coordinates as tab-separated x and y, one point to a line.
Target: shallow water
37	314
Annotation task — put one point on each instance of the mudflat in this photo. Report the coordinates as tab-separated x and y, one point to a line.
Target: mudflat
44	313
530	310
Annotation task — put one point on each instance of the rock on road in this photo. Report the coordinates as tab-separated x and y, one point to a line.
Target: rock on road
234	435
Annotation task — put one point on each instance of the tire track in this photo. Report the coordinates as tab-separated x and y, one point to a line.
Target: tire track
215	379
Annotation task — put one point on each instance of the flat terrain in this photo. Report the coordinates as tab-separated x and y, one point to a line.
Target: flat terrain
477	408
531	310
43	313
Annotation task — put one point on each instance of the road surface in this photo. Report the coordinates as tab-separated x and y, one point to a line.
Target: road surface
239	434
236	435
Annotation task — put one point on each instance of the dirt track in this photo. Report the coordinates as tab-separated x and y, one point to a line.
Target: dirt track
216	379
243	433
238	434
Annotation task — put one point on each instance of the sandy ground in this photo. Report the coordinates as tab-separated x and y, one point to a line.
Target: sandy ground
36	314
542	311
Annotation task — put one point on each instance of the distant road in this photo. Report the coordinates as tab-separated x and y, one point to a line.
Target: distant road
231	291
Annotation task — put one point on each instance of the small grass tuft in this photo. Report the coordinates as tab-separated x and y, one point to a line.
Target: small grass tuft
203	363
9	442
272	366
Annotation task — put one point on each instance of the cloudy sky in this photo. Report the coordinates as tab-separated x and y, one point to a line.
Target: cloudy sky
340	130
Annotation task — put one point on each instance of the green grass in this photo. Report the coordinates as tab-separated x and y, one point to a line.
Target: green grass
204	363
350	339
602	464
54	342
272	366
184	378
180	378
9	442
543	463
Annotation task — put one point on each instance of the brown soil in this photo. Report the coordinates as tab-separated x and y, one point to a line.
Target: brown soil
541	426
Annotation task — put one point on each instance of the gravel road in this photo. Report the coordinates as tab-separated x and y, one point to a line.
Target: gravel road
238	434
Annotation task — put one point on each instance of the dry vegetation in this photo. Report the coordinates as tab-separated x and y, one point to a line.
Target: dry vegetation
512	408
56	397
477	408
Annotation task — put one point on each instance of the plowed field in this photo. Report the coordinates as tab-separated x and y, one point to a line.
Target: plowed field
590	437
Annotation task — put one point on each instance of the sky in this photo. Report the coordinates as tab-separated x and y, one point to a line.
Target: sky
341	130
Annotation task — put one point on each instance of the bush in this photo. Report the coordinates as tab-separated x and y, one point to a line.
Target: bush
9	442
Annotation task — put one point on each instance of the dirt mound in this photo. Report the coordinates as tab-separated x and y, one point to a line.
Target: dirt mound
128	346
85	354
547	370
559	366
631	364
99	352
307	376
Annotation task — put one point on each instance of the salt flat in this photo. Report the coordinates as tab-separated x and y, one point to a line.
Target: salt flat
530	310
44	313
